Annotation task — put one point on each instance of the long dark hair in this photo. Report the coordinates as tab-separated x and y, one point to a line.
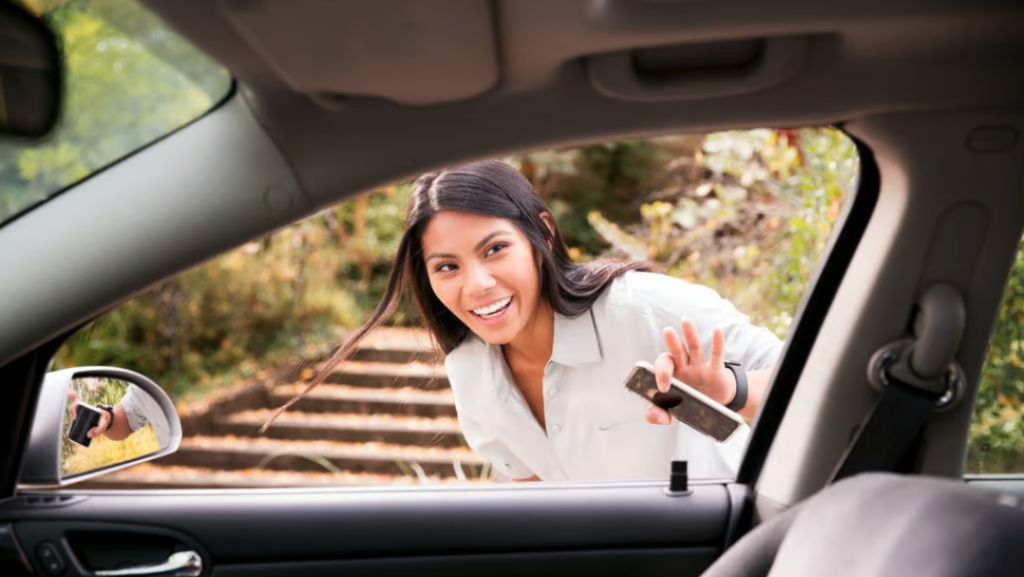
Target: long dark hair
489	188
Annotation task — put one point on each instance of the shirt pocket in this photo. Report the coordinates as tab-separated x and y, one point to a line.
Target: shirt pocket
619	410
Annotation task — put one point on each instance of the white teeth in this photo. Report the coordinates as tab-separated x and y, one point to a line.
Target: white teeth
493	308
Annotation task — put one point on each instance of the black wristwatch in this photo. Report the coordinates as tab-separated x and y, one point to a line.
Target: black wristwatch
109	409
739	400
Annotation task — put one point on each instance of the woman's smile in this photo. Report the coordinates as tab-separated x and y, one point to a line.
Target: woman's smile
494	312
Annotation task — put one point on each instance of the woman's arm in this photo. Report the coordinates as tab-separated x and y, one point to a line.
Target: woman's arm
119	430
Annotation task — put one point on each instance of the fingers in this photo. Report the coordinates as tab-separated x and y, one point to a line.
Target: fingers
101	428
657	416
664	368
717	349
675	347
693	343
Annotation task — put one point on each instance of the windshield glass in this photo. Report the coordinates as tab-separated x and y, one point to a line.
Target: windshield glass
130	80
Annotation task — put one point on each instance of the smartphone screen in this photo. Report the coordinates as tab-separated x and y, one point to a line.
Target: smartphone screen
685	404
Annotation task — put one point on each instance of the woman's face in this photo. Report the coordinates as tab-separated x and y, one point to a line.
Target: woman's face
483	269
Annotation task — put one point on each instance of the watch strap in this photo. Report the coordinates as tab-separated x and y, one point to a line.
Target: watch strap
109	409
739	400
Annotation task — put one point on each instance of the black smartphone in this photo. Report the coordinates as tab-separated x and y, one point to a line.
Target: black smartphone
86	417
688	405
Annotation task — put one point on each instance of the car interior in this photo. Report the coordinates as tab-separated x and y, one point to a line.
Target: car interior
878	377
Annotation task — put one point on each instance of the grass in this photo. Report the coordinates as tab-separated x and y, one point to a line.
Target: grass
103	452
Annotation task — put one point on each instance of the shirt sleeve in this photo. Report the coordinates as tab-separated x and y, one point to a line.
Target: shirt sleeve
133	409
671	300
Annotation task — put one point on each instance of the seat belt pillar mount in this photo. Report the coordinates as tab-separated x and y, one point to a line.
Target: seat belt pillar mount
916	376
927	361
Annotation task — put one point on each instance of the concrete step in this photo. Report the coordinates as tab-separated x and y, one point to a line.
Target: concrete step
345	427
395	345
389	375
232	453
156	476
368	401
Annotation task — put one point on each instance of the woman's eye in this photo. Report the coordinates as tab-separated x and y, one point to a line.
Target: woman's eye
497	247
446	267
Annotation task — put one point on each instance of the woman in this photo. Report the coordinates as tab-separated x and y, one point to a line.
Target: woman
537	346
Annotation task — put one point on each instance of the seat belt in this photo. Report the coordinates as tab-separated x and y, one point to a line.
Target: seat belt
916	377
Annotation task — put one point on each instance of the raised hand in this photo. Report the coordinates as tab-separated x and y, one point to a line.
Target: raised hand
689	364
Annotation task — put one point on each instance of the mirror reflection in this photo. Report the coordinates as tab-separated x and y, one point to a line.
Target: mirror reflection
108	421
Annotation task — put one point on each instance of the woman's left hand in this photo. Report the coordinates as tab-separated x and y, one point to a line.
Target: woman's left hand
689	365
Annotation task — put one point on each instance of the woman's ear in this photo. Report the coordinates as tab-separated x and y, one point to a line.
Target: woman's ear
549	221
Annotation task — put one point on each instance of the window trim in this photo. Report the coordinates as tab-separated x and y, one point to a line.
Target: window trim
821	290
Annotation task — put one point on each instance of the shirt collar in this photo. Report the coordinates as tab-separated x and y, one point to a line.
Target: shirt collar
576	340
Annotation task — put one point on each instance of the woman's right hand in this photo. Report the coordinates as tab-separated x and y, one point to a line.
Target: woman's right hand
688	363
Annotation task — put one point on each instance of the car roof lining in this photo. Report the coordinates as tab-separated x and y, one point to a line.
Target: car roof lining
545	91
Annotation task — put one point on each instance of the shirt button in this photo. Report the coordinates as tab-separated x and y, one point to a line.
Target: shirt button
556	428
552	392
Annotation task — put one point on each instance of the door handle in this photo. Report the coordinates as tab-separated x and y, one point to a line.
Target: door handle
180	564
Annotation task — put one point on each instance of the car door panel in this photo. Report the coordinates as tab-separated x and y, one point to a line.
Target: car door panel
511	530
605	562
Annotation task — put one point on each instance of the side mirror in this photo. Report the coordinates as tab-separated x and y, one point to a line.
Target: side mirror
31	75
73	437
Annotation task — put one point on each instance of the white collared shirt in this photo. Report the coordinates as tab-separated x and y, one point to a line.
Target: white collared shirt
595	428
142	409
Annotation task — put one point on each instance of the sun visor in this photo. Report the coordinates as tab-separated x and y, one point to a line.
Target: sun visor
410	51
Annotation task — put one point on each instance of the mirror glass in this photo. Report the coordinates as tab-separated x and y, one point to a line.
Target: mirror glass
109	421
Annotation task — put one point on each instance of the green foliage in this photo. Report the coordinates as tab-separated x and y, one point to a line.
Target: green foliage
608	178
266	303
997	429
129	81
370	228
746	213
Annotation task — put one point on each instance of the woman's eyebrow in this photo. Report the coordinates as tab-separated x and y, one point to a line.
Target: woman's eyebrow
479	245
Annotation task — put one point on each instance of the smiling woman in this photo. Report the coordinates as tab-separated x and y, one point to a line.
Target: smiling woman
518	321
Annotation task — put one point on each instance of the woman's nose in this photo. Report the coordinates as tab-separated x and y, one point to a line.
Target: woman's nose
480	279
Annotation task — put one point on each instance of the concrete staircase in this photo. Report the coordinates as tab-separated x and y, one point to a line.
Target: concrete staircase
385	417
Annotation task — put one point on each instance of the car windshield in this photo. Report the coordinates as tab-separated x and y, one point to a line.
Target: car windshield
130	80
